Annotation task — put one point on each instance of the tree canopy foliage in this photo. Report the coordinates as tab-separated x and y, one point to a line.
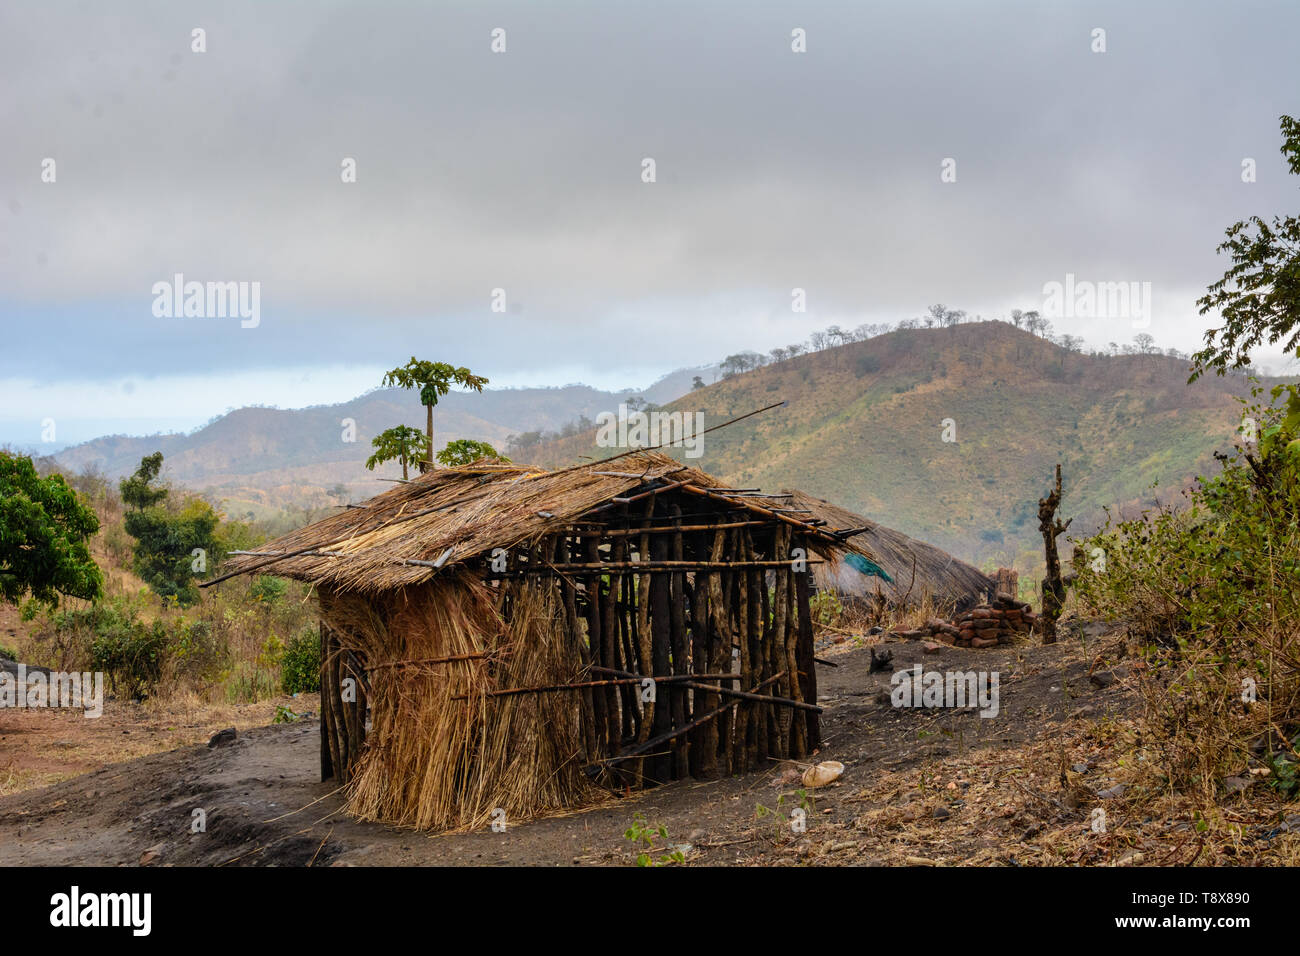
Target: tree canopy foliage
400	443
1258	298
174	544
463	451
44	537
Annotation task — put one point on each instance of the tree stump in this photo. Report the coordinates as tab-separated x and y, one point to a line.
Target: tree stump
1053	588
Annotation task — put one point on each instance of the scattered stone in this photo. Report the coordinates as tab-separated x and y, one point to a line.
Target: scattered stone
942	813
1236	784
152	855
1113	793
1080	768
929	647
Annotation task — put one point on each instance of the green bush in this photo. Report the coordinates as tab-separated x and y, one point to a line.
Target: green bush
129	651
1211	594
267	589
866	365
8	653
198	654
300	664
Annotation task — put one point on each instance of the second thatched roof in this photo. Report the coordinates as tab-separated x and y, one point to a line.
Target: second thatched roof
917	569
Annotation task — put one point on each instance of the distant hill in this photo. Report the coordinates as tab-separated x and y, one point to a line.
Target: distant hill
863	428
255	460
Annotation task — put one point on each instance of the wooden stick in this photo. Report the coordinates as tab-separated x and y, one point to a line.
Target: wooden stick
677	732
648	567
614	682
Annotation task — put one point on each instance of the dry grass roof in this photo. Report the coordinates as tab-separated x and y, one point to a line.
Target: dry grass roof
404	536
937	573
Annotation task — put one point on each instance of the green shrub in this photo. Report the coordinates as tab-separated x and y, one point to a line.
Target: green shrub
8	653
130	652
866	365
300	663
1210	593
199	655
267	589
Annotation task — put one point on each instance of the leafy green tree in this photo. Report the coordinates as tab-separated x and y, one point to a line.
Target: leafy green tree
172	545
166	546
137	490
44	537
463	451
1258	298
401	442
434	380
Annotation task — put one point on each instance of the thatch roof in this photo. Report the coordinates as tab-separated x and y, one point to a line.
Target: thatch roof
437	520
938	574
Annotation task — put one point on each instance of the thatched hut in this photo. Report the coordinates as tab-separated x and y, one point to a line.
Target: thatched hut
912	570
502	638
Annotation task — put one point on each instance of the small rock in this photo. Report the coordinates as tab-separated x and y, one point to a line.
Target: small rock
942	813
930	647
1236	784
223	738
152	855
1113	793
1080	768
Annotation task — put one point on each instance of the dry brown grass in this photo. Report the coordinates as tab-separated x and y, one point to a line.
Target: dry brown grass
441	753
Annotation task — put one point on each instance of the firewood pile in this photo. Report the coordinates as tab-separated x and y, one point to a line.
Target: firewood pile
987	625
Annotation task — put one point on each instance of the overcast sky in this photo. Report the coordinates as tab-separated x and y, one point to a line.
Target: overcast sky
522	171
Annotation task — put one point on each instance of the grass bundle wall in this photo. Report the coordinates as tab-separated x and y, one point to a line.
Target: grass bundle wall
440	752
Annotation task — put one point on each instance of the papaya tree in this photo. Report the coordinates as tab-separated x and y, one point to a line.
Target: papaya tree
434	380
401	443
463	451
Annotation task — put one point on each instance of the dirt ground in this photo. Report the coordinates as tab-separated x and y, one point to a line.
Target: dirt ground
921	787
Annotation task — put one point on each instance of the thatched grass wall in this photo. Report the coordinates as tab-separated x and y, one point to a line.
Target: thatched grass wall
440	752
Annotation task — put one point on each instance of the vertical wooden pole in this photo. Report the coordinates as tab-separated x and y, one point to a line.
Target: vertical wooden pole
660	768
603	698
681	663
705	746
798	724
807	665
326	731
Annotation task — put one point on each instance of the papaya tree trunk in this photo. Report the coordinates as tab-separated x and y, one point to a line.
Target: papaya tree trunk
428	431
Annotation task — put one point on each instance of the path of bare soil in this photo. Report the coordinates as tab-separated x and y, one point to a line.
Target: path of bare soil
922	787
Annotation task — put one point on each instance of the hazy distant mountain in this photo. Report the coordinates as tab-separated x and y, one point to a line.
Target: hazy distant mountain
254	459
863	427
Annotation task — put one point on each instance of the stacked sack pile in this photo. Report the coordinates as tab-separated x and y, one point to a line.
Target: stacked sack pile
986	625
